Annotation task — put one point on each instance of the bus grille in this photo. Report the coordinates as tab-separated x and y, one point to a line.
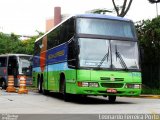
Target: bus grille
108	79
112	85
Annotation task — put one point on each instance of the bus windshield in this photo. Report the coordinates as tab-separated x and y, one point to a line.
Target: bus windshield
25	63
124	54
105	27
100	53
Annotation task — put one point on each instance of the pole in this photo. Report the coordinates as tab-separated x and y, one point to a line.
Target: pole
157	9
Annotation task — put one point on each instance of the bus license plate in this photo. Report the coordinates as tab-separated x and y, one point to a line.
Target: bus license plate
110	90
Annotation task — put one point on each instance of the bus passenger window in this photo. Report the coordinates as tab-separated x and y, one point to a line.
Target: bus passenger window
71	54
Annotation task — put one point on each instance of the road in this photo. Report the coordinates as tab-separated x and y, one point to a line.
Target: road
35	103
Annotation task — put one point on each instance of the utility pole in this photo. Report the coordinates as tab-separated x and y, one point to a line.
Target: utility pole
157	8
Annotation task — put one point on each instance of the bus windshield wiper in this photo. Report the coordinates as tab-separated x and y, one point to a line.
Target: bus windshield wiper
103	59
121	59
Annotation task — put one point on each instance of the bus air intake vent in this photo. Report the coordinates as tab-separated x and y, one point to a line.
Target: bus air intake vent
112	85
105	78
119	79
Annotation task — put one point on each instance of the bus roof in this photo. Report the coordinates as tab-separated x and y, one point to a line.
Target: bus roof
101	16
5	55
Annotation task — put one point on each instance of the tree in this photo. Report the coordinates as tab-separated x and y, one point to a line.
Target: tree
14	37
6	42
122	10
10	43
149	39
154	1
101	11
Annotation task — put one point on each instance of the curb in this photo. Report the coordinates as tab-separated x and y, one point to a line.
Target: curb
148	96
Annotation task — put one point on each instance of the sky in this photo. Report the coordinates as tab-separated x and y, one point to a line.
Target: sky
24	17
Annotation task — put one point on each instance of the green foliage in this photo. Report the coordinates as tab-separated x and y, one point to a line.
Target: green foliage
101	11
149	38
149	41
151	91
6	43
121	10
12	44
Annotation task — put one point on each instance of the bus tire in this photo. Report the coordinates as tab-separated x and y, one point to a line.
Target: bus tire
44	92
112	98
39	85
66	96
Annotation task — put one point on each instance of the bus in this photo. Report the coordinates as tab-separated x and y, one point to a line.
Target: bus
15	65
89	54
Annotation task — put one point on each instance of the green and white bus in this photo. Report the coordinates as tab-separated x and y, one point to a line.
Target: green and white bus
89	54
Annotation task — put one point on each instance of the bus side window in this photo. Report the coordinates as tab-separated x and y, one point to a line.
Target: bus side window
71	54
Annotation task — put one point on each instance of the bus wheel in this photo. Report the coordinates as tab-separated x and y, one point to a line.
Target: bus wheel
66	96
39	86
44	92
112	98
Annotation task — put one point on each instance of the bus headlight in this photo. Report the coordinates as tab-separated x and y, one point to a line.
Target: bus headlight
84	84
93	84
88	84
136	86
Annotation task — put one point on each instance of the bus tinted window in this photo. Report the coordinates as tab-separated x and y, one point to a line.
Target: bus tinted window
3	61
53	38
105	27
67	30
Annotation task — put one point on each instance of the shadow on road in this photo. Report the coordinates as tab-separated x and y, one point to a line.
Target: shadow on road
75	98
87	100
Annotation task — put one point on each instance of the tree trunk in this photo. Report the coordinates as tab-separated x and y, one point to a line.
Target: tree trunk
124	9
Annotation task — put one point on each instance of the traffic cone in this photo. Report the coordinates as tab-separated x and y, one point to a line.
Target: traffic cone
11	87
22	85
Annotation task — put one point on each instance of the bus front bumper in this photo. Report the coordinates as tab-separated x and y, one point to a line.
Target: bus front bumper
108	91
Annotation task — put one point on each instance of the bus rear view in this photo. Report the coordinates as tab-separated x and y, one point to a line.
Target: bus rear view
15	65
